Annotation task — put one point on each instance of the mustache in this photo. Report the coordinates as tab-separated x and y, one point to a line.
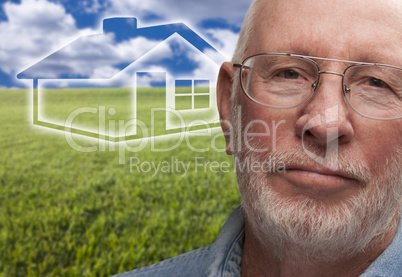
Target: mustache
297	157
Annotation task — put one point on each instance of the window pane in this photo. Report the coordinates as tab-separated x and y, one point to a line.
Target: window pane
183	102
201	86
201	101
183	86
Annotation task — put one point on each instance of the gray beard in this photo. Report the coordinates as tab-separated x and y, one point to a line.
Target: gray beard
309	230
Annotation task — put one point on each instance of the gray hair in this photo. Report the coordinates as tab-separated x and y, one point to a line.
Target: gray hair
246	31
243	42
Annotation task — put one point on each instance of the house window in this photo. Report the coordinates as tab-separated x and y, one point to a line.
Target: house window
192	94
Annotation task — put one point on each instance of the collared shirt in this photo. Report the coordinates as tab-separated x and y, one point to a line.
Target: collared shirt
223	257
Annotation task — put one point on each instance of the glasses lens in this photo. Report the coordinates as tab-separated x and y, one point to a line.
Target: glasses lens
278	81
374	91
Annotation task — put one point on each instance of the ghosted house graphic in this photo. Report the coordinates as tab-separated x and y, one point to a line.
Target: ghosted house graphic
172	57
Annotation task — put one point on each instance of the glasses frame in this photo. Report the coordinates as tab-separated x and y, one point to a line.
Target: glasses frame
312	59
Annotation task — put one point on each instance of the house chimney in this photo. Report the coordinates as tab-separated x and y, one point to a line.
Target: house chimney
123	27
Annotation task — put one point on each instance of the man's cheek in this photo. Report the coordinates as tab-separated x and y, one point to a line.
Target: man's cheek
262	135
379	152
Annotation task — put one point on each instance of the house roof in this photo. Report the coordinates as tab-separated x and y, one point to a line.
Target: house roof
120	44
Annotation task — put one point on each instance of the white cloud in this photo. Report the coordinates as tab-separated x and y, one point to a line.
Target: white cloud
104	72
145	80
190	12
226	39
37	28
206	69
34	28
187	11
92	6
94	56
139	46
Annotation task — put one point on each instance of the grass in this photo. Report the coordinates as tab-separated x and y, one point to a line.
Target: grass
68	213
117	105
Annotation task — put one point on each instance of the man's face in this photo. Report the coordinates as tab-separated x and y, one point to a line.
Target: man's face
359	156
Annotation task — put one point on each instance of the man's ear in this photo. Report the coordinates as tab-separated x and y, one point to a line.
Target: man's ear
224	92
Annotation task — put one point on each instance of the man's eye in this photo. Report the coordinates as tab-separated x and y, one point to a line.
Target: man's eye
289	74
377	83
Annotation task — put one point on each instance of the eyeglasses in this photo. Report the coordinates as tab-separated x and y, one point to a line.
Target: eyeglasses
286	81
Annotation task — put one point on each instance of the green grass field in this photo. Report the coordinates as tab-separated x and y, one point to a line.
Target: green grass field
68	213
117	104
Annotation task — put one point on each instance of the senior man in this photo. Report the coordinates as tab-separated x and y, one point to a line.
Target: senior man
328	75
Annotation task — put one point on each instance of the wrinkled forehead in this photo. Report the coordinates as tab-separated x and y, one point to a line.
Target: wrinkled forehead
361	30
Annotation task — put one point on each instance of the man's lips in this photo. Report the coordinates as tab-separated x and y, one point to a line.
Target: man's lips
314	177
320	171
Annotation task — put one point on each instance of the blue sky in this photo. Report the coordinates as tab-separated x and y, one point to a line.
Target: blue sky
30	30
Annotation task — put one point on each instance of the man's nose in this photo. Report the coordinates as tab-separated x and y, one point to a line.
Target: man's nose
325	118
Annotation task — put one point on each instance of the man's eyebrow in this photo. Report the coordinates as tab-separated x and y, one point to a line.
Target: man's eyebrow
380	56
380	60
374	58
304	50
